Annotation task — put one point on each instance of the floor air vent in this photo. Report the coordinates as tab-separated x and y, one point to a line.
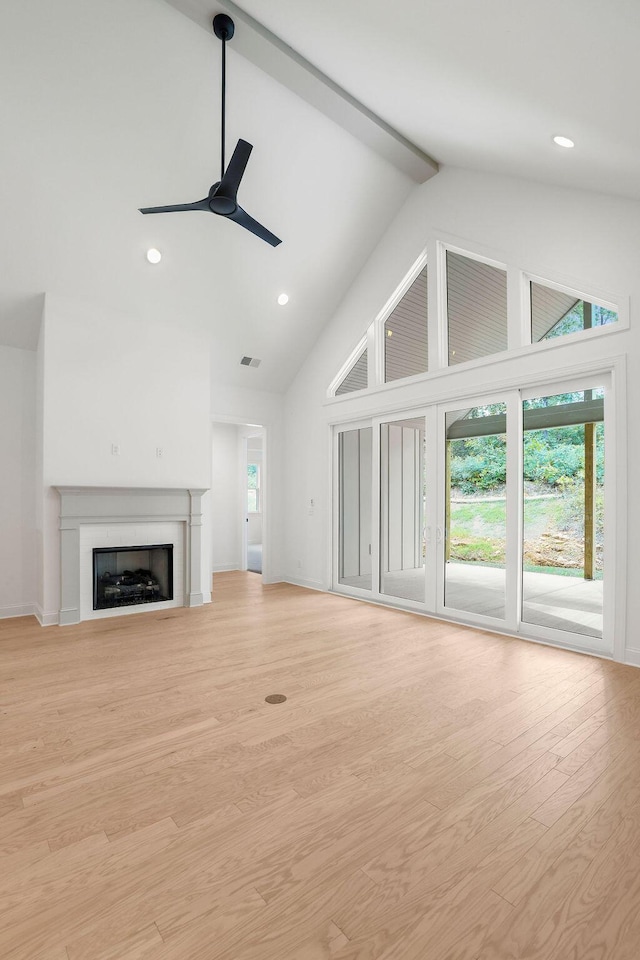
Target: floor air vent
250	362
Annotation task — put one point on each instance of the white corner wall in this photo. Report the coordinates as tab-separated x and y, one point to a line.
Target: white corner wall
588	240
112	380
225	509
17	481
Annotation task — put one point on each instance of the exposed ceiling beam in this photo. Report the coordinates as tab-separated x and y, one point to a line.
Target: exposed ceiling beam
264	49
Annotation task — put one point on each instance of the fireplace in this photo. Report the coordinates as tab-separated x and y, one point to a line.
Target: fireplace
126	576
129	522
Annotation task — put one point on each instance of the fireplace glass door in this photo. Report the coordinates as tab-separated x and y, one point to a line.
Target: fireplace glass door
124	576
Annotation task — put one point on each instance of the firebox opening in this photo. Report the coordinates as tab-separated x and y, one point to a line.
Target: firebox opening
123	576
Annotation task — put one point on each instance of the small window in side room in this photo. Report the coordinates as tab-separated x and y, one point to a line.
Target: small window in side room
253	488
405	333
356	378
476	308
555	313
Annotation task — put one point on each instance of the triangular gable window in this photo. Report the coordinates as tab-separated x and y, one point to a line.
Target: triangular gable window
405	333
555	313
476	308
356	378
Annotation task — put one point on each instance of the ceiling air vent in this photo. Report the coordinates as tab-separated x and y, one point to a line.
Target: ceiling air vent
250	362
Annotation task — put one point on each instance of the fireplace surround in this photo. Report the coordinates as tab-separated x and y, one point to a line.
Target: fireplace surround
105	517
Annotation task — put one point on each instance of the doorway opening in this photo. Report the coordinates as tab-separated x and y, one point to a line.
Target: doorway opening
238	497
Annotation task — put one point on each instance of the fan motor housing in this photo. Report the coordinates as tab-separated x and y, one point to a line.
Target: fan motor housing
223	26
223	205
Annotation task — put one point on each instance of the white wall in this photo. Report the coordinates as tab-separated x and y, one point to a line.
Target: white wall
17	480
585	240
225	511
116	379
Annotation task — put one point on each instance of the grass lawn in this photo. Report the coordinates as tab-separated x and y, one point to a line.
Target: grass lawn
553	534
487	518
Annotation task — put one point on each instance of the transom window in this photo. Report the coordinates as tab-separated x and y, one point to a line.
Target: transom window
555	313
356	377
406	350
472	322
476	308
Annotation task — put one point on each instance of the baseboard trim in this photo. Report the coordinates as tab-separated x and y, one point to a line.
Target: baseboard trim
224	567
45	619
304	582
69	616
632	657
195	599
17	610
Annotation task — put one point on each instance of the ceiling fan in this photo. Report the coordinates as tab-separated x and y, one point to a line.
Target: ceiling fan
223	195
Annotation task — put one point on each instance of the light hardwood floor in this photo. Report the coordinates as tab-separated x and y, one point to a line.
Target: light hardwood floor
427	791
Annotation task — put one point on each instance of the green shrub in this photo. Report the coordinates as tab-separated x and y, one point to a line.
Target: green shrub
554	457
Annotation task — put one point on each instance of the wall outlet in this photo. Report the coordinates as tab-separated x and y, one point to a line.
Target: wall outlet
159	451
115	449
299	564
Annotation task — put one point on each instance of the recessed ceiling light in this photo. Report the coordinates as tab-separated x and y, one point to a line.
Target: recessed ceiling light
153	255
564	142
283	298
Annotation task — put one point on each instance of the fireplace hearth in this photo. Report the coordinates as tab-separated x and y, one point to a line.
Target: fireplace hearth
126	576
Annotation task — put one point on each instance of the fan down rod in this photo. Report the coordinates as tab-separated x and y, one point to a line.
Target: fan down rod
224	28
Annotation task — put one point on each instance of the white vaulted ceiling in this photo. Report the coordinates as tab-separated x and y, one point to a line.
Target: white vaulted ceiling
108	106
486	84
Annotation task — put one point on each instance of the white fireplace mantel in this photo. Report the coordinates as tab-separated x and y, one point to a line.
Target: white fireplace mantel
80	506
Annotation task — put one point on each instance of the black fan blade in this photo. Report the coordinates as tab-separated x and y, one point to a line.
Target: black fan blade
242	217
235	170
199	205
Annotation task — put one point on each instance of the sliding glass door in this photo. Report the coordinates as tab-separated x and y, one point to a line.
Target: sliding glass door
354	512
475	510
564	511
402	509
478	512
489	510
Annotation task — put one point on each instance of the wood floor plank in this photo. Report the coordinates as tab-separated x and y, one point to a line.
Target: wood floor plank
547	922
446	904
142	944
451	859
577	784
426	791
612	788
